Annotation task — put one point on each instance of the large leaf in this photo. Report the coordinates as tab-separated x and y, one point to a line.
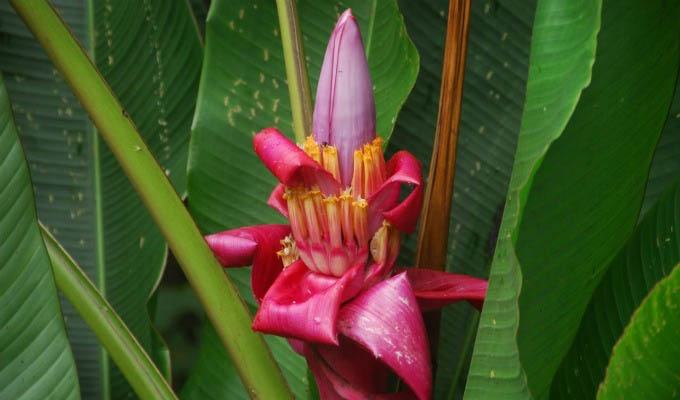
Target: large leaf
495	78
36	360
666	164
243	90
573	201
646	360
150	54
649	256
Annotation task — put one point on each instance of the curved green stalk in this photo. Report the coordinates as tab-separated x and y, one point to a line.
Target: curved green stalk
225	308
296	69
111	331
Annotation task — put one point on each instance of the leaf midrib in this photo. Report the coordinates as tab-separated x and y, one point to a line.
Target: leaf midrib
100	259
371	27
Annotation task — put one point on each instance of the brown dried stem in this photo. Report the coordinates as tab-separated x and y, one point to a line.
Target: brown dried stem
434	228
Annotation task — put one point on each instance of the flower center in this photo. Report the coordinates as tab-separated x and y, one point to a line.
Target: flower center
331	234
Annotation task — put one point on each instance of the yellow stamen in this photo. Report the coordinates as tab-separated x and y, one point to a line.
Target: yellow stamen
334	224
358	175
371	173
311	217
312	149
330	161
295	214
378	157
360	211
347	218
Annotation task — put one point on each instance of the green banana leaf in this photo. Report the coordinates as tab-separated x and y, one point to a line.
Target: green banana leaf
650	256
243	90
36	360
578	181
150	54
646	360
666	164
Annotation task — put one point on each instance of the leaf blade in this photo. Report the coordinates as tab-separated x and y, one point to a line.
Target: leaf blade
37	361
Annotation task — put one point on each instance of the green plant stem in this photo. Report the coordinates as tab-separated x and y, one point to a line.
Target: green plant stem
225	308
296	69
126	352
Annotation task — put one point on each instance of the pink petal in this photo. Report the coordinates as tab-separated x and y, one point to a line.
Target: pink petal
349	372
436	289
252	245
276	200
344	112
290	164
402	168
304	305
355	365
385	319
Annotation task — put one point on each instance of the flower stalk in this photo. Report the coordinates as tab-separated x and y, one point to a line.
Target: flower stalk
296	69
433	234
225	308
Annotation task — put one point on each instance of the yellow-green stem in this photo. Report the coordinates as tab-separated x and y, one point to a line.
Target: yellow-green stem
225	308
296	69
121	345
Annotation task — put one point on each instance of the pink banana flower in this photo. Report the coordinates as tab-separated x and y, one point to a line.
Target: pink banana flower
327	281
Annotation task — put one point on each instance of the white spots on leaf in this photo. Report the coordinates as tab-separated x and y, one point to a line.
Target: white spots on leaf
262	77
276	32
226	101
487	8
260	106
162	122
504	36
241	13
231	25
141	241
50	198
275	83
275	106
492	374
109	59
478	165
239	82
506	64
265	54
256	95
481	129
489	75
